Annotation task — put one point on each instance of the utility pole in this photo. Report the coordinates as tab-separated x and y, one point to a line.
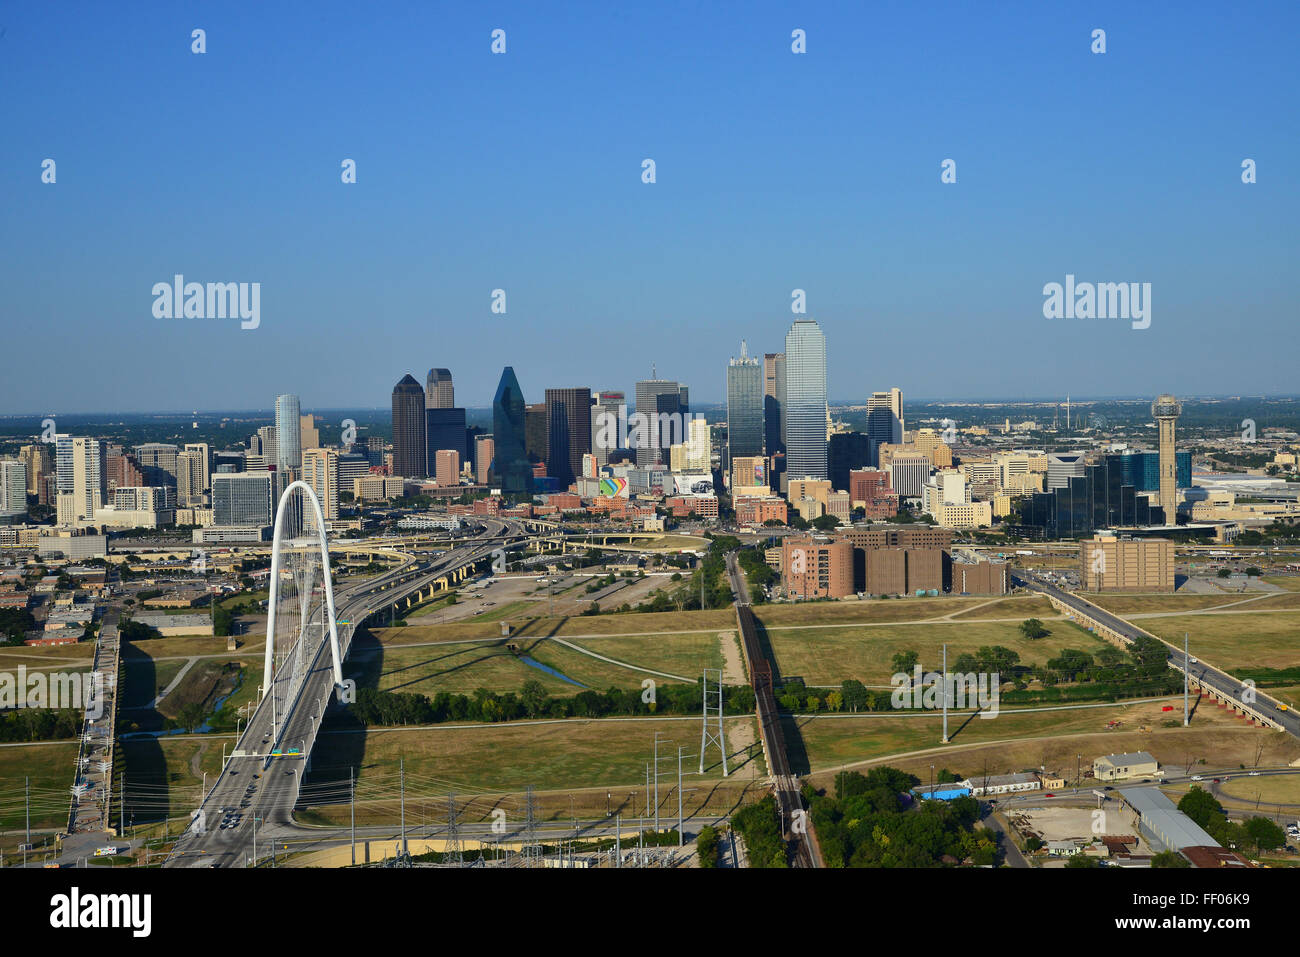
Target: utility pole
618	840
352	786
27	801
656	782
121	806
679	795
401	770
1186	680
944	678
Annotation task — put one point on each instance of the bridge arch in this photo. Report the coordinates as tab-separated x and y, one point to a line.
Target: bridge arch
276	544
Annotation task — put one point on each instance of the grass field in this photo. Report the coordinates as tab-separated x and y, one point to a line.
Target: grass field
1137	604
828	656
1018	607
1289	582
1268	639
1051	739
1268	789
49	768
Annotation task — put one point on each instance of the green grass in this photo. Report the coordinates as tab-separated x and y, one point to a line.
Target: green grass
1269	639
828	656
50	770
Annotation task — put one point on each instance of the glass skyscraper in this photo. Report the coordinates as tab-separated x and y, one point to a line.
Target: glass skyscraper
409	429
510	466
805	399
288	433
744	406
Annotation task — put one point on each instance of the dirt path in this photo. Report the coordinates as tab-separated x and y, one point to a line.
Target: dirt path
733	665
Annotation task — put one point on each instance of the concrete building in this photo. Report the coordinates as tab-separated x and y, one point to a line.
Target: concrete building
774	402
13	491
816	568
377	487
484	448
242	499
82	484
288	433
908	474
320	470
447	467
983	786
439	392
980	577
1110	563
757	510
805	401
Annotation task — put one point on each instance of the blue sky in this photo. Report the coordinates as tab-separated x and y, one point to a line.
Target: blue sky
522	171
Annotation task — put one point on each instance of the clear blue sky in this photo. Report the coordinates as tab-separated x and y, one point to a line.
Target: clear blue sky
523	171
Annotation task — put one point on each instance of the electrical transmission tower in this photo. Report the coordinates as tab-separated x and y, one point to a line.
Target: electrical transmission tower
453	853
706	737
532	850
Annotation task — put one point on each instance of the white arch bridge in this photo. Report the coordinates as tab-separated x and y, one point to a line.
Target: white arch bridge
261	776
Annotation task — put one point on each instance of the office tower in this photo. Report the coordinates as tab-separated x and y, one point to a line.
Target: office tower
568	432
884	421
262	444
409	458
13	491
744	406
446	467
1062	467
288	433
193	475
40	463
444	428
683	399
352	466
82	478
510	467
774	402
536	427
438	390
659	404
606	413
908	474
320	470
375	450
698	446
484	448
1166	409
847	451
157	463
805	392
308	434
242	498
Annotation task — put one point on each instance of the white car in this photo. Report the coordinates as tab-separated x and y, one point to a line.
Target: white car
1197	777
1253	774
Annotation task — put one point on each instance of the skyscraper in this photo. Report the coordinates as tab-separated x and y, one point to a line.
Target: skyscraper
744	406
438	390
320	470
409	459
805	390
484	448
193	474
659	402
535	430
568	432
444	430
510	466
884	420
288	433
157	463
1166	409
774	402
13	491
242	498
605	414
82	478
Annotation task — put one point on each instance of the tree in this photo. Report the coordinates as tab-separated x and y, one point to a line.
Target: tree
1170	859
905	661
1200	805
1264	834
533	695
1033	629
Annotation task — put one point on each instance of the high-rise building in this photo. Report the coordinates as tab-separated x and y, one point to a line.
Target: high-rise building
320	470
288	433
659	402
484	449
536	427
699	446
908	473
1111	563
805	391
884	420
744	406
510	466
444	428
568	432
774	402
157	462
1063	466
193	475
438	390
309	435
82	478
262	444
446	465
847	451
13	491
40	463
242	499
1166	409
409	459
605	431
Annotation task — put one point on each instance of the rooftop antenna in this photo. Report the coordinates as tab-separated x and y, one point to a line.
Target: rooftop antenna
1067	412
744	353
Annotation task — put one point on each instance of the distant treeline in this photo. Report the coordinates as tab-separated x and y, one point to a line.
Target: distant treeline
39	724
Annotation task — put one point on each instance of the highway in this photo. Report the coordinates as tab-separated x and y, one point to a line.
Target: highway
262	789
1205	673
